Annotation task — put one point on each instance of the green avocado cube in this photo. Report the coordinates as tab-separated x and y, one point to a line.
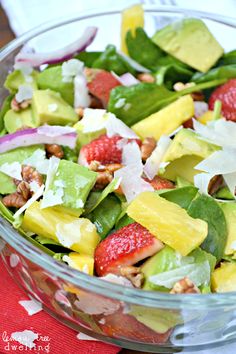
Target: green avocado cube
14	121
191	42
67	187
49	108
7	185
16	78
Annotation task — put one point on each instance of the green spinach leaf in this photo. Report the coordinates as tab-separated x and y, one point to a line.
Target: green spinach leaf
222	72
228	58
88	58
206	208
181	196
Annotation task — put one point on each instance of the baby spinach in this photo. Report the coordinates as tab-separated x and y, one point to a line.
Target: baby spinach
124	221
110	60
206	208
105	215
171	73
143	99
181	196
228	58
142	49
222	72
88	58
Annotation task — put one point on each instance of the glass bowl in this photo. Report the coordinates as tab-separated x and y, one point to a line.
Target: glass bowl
130	318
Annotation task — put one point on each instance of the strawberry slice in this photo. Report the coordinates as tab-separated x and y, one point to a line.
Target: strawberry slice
227	95
160	183
104	150
125	247
120	325
101	85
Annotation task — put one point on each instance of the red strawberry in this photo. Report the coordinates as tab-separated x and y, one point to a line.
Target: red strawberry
102	84
103	149
125	247
160	183
227	95
119	325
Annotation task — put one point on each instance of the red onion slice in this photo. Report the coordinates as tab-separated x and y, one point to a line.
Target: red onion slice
57	56
28	137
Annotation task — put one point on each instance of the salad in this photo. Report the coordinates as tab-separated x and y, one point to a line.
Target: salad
122	163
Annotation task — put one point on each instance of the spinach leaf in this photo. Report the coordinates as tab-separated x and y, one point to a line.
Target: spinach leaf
181	196
144	99
95	198
124	221
88	58
105	215
206	208
70	154
6	105
228	58
110	60
46	241
227	72
171	73
142	49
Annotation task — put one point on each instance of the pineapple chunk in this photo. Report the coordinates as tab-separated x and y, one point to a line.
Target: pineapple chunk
81	262
168	222
77	234
132	18
167	119
224	278
206	117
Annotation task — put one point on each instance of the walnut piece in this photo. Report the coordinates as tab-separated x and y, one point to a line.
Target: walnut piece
196	96
103	179
105	173
17	106
29	174
184	286
148	145
133	274
14	200
145	77
23	189
215	184
54	150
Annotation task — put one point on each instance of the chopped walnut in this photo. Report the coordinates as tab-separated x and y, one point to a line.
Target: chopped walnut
14	200
103	179
17	106
95	103
105	173
30	174
148	145
215	184
94	165
133	274
145	77
110	167
196	96
54	150
23	188
185	286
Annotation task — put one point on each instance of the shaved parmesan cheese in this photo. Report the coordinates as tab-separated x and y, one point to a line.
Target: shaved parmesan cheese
38	160
83	336
220	132
25	92
14	260
31	306
71	68
25	68
200	107
52	198
54	130
12	169
230	180
52	107
25	337
115	126
65	234
152	164
81	93
48	199
34	186
131	155
220	162
201	181
93	120
33	199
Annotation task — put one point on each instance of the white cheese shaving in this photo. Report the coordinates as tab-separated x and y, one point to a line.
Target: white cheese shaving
81	92
93	120
131	155
52	198
14	260
201	181
69	234
71	68
83	336
220	162
25	337
34	186
25	92
153	163
33	199
120	103
31	306
12	169
115	126
52	170
38	160
52	107
25	68
230	180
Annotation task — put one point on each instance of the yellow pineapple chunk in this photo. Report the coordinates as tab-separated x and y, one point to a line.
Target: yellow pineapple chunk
77	234
81	262
168	222
224	278
206	117
132	18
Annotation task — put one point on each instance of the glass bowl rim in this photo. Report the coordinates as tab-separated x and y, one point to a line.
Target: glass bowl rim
82	280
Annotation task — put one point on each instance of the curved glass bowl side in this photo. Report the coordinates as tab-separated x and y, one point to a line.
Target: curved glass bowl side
183	320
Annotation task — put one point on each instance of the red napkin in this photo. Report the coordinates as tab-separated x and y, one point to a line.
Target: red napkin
54	338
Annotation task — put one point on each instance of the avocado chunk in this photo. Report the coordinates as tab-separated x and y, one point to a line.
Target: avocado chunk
229	210
167	119
67	187
191	42
17	155
14	121
52	79
49	107
16	78
184	153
